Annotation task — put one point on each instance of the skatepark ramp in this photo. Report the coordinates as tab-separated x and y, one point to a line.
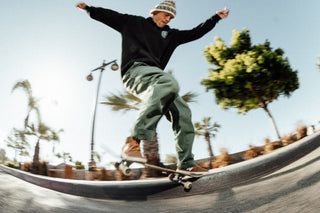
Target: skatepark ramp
218	179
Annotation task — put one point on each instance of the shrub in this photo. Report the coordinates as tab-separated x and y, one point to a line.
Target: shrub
270	146
27	167
103	175
79	165
172	159
252	153
301	132
12	165
289	139
222	160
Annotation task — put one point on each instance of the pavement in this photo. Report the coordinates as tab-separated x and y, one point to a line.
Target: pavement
286	180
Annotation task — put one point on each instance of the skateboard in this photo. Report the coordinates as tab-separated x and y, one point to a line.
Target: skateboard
180	177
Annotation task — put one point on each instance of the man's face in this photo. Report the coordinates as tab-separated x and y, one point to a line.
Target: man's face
162	18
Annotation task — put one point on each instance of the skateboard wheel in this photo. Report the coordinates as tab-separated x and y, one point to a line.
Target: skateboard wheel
116	165
126	170
187	185
171	177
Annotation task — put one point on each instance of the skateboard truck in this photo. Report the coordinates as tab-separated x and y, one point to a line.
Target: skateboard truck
178	178
183	178
126	170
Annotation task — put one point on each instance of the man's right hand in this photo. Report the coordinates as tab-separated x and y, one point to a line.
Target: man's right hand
81	6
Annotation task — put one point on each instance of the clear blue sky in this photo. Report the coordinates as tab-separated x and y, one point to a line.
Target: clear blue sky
54	45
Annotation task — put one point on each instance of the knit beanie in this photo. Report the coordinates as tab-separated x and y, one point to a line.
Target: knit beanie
167	6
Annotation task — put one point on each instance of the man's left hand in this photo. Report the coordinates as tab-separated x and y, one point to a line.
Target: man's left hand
223	13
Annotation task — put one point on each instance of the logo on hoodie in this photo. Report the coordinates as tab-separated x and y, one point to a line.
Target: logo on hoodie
164	34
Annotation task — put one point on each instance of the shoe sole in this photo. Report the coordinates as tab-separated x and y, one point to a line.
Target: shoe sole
133	159
192	173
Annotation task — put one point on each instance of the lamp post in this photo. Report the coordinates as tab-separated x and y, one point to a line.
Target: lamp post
114	67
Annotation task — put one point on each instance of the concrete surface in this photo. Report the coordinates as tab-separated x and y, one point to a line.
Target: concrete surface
293	188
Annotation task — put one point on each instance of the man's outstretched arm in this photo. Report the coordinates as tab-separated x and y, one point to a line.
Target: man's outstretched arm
203	28
109	17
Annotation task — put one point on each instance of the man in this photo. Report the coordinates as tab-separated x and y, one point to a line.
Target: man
147	45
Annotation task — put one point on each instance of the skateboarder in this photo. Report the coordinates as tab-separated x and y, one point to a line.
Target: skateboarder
147	45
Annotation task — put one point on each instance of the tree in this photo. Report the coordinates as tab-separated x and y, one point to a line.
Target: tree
33	105
18	142
3	157
35	128
97	156
78	165
41	132
248	76
208	130
127	102
65	156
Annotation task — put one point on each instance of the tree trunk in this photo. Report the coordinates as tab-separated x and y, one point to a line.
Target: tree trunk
273	122
151	153
207	136
265	107
35	163
15	156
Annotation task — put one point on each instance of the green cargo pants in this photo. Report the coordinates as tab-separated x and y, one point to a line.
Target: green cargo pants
158	91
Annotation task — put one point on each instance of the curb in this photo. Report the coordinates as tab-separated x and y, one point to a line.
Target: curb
163	188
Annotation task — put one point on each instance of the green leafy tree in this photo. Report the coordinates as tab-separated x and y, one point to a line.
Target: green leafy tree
208	130
18	142
248	76
79	165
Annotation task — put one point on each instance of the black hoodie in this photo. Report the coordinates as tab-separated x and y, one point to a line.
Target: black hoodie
143	40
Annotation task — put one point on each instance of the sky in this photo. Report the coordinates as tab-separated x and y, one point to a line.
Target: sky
54	46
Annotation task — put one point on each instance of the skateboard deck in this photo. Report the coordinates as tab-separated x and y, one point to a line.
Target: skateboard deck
180	177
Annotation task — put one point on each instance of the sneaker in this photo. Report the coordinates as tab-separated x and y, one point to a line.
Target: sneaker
131	151
196	170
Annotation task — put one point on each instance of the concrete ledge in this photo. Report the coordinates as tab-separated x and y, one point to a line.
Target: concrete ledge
163	188
250	169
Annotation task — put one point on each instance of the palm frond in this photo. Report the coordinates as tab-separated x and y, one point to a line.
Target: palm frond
120	102
24	85
131	98
189	97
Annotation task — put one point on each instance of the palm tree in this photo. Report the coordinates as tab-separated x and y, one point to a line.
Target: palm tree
41	131
127	102
97	156
33	105
208	130
64	156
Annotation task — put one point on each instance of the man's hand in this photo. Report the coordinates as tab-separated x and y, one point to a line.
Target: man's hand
223	13
81	6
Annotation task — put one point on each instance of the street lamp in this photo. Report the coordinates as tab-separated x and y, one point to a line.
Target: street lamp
114	67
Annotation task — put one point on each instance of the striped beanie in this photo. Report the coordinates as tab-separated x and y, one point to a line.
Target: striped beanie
167	6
